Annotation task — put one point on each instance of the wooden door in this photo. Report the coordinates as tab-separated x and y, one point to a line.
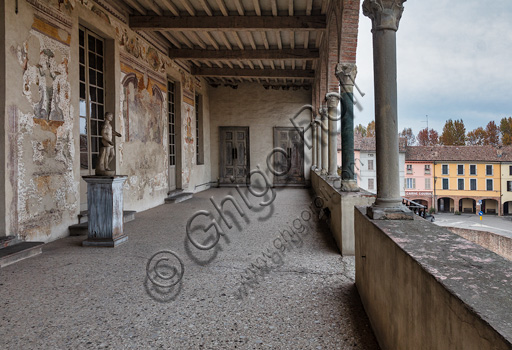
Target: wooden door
290	165
234	155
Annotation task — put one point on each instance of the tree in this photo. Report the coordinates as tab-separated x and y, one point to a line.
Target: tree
370	129
477	137
428	137
360	130
492	136
454	133
408	134
506	131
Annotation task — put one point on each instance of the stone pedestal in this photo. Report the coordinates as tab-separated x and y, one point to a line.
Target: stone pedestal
105	210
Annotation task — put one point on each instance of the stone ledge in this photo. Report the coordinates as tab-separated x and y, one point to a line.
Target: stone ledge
341	208
468	300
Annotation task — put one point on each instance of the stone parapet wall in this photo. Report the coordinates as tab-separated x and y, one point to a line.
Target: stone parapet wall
501	245
424	287
341	209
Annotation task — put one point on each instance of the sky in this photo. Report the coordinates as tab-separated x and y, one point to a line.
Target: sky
454	60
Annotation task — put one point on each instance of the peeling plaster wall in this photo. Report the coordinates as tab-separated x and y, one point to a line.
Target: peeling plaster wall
41	114
195	177
261	110
2	120
42	193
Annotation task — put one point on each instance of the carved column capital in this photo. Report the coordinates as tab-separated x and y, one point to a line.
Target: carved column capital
332	101
385	14
346	73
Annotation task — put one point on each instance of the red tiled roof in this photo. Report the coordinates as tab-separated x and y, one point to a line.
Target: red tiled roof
459	153
368	144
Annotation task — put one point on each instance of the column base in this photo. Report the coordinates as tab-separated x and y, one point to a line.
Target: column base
393	213
332	177
323	172
106	242
349	186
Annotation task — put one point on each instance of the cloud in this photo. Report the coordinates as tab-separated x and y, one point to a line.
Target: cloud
453	62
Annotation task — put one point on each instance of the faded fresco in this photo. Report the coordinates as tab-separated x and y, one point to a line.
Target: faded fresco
143	152
142	98
41	139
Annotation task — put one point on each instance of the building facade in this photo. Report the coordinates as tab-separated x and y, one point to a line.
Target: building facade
365	166
419	182
465	179
506	187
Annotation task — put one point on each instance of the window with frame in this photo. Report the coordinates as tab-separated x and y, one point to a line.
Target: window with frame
428	184
444	169
92	96
510	170
410	183
489	170
371	184
427	169
199	130
409	168
445	184
370	164
460	184
472	169
171	101
489	185
509	186
472	184
460	169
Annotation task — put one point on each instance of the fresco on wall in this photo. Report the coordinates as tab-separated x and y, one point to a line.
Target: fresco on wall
142	108
187	82
143	152
41	146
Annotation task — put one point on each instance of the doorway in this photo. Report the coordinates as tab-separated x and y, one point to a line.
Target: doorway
234	154
291	165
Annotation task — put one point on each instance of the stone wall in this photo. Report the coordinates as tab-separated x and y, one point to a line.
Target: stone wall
501	245
341	210
424	287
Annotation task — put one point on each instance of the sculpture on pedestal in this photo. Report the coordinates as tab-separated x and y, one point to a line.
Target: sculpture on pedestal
107	151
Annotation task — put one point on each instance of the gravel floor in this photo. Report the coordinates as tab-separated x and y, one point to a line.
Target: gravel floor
300	293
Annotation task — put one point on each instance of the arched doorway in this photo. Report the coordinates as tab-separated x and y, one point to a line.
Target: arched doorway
507	208
467	205
490	206
445	205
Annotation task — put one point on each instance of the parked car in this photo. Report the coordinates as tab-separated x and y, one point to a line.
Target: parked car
429	217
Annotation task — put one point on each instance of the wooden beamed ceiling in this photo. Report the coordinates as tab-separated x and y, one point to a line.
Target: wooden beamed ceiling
230	23
267	41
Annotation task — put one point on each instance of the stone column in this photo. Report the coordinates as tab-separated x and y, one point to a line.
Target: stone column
324	126
318	141
332	108
346	74
314	161
385	16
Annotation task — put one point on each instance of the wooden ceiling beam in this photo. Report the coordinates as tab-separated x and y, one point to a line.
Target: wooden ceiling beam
250	73
170	6
228	23
283	54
